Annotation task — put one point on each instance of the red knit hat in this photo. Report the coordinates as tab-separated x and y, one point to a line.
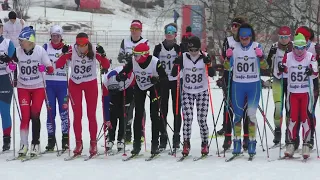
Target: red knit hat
143	50
304	31
284	31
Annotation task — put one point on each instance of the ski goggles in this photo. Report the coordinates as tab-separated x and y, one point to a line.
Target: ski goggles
135	29
136	54
194	49
170	30
284	36
300	47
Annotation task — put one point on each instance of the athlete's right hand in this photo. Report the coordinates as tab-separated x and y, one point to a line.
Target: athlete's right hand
121	77
281	67
229	52
12	66
65	48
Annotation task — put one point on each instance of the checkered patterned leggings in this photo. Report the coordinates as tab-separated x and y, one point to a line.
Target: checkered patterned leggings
202	103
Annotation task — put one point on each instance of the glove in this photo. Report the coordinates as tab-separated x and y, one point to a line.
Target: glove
65	49
220	82
308	71
207	60
41	67
108	124
281	67
121	77
100	50
128	57
226	65
154	80
12	66
259	52
174	71
317	48
5	58
49	69
229	52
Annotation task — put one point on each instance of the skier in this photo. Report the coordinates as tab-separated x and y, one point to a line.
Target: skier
125	56
311	47
57	91
246	58
279	84
228	112
167	51
7	50
83	56
149	76
301	68
185	39
113	105
194	65
31	87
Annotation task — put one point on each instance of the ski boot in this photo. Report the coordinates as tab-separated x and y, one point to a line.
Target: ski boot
186	148
163	142
136	148
155	149
23	150
236	147
78	149
35	150
220	132
245	143
277	136
252	147
289	150
120	145
6	143
51	143
93	148
204	149
65	142
227	143
109	146
306	150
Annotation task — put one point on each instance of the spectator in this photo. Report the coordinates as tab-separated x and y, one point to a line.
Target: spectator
185	39
5	5
12	28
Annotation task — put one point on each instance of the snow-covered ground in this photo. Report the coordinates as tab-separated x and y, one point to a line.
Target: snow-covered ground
165	167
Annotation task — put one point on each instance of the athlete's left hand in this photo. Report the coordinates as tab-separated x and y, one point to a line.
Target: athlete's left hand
308	71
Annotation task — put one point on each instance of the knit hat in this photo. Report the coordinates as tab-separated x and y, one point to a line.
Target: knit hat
12	15
27	33
56	29
304	31
238	20
284	31
299	40
143	50
188	29
194	42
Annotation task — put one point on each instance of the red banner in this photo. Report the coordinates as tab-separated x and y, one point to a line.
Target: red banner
194	16
90	4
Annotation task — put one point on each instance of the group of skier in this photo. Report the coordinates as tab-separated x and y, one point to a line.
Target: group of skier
44	76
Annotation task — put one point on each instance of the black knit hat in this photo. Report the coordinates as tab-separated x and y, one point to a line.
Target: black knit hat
12	15
239	20
194	42
188	29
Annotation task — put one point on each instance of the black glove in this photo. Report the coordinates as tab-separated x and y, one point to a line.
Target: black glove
206	59
103	71
211	72
281	67
100	50
128	57
121	77
308	71
5	58
65	48
154	80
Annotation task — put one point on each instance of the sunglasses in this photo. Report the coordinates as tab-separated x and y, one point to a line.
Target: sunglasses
194	49
300	47
82	45
245	38
135	29
170	32
136	54
284	37
235	25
